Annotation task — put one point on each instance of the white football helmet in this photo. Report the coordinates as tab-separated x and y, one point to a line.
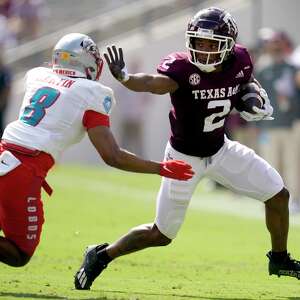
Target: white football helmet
77	55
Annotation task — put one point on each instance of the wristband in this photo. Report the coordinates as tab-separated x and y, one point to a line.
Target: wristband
124	75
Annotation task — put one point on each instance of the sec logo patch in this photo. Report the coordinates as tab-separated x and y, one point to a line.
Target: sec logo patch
194	79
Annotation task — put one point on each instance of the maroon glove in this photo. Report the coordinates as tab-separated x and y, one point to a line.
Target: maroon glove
176	169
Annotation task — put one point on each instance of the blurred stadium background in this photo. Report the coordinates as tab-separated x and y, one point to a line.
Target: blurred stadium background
147	30
227	258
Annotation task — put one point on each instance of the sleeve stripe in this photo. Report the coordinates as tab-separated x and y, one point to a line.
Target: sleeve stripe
92	119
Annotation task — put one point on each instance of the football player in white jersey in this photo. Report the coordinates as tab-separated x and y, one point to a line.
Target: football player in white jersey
60	105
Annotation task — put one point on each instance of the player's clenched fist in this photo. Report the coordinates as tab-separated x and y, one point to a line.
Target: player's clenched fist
116	64
176	169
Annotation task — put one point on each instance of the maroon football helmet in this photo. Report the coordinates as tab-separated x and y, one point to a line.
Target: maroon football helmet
216	27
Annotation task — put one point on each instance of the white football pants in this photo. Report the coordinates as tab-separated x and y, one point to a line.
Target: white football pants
235	166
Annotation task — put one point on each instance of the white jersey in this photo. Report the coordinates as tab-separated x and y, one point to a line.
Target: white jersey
51	116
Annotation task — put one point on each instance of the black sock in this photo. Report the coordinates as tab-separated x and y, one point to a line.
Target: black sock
279	256
104	257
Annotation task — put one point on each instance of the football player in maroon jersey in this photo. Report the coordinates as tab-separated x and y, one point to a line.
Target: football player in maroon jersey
204	85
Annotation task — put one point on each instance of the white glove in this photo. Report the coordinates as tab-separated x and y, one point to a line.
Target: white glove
263	113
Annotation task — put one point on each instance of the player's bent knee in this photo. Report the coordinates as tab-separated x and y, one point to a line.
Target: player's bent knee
280	200
22	260
283	195
18	261
160	238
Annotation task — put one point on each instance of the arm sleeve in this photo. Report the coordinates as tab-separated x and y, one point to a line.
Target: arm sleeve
170	66
102	100
93	119
99	105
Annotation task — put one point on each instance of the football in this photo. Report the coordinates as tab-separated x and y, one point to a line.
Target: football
250	97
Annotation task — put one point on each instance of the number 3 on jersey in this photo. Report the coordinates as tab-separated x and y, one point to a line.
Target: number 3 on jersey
36	110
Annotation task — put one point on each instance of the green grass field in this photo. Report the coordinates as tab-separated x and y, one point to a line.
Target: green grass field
215	256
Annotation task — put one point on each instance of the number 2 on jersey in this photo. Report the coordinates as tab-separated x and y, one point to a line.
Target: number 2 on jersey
209	124
36	110
166	64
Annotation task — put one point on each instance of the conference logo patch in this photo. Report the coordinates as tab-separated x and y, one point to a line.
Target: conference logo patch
107	103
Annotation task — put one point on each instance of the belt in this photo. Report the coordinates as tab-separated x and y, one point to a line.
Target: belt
29	152
47	188
20	149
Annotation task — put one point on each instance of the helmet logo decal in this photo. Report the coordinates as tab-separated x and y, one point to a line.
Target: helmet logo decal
90	47
64	56
194	79
232	28
107	103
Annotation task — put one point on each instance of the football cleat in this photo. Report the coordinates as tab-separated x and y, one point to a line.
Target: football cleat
287	267
91	267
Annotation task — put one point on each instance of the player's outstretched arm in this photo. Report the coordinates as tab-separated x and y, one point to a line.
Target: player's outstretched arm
139	82
106	145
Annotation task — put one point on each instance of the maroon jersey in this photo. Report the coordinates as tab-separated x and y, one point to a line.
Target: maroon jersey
203	100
